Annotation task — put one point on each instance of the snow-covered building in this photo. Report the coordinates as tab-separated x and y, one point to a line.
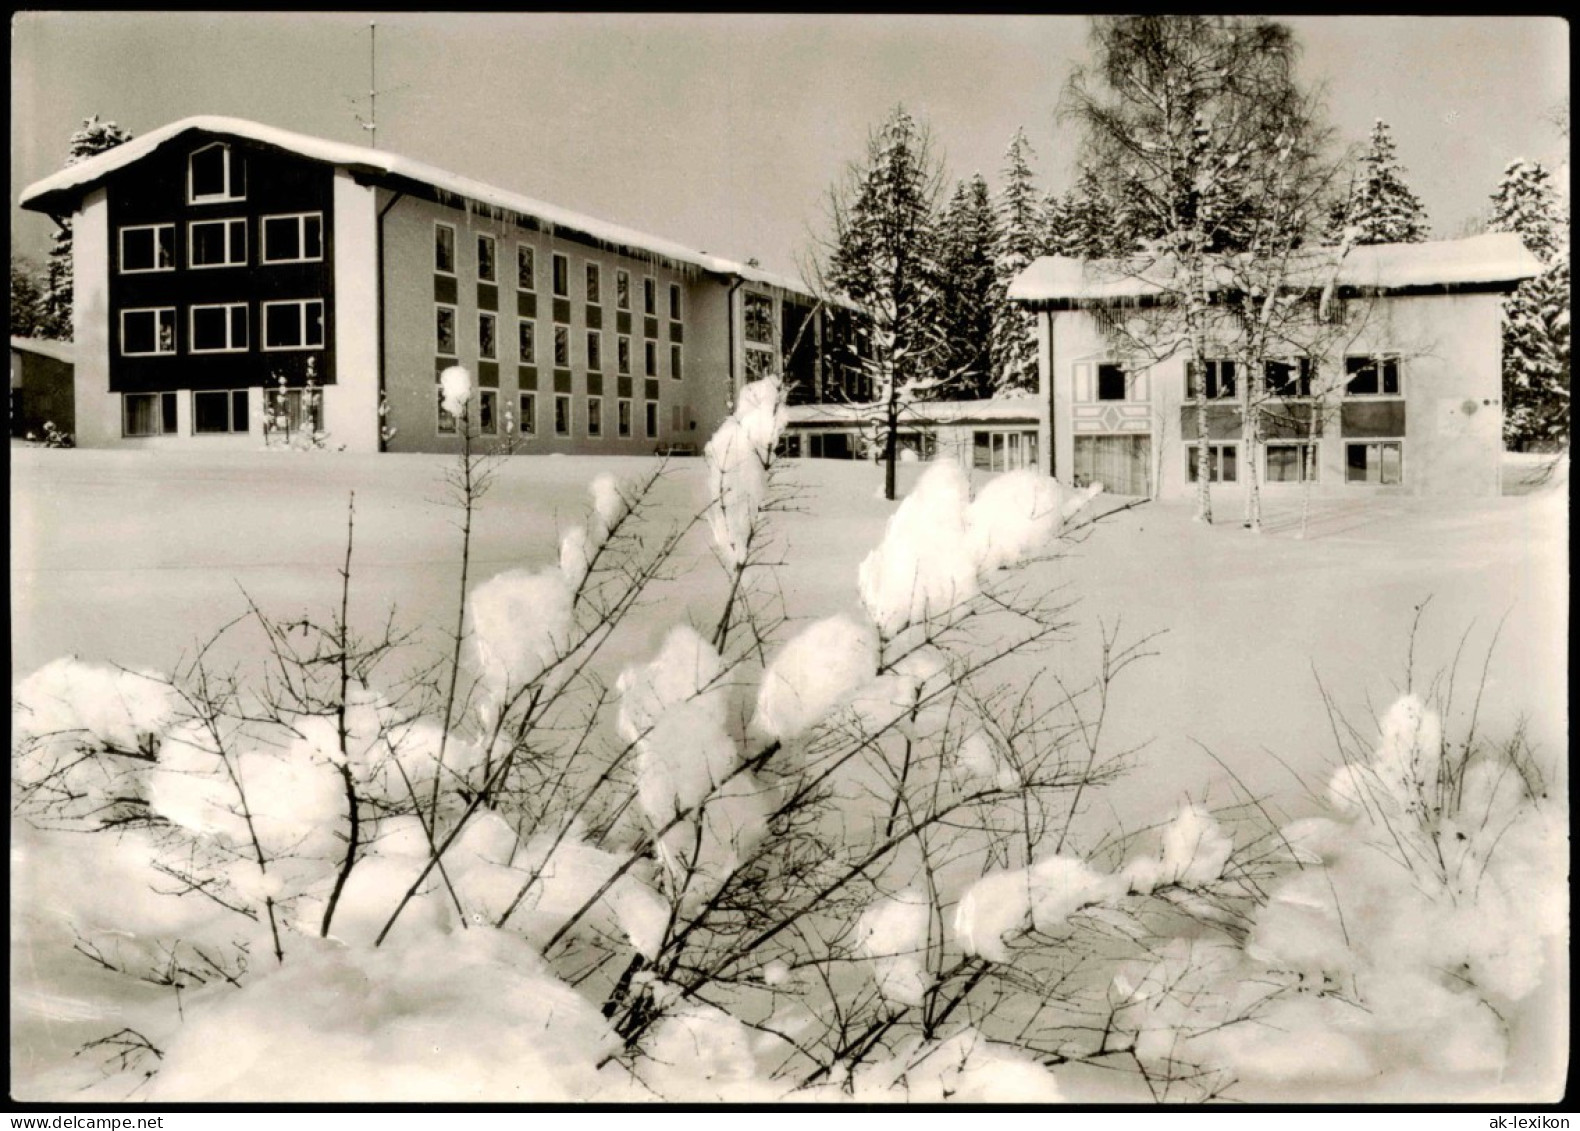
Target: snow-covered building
1393	386
232	276
997	434
41	386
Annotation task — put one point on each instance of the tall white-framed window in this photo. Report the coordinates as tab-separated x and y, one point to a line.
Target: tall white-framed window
562	414
219	411
487	266
650	358
1373	375
757	316
623	354
595	416
444	330
1223	462
526	267
594	351
622	289
488	412
1374	461
1287	461
674	302
487	336
217	243
623	409
148	247
529	413
674	361
215	173
650	419
650	296
293	324
148	331
561	267
294	238
218	328
594	285
562	346
527	340
444	248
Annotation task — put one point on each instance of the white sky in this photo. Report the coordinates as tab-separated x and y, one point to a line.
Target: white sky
725	132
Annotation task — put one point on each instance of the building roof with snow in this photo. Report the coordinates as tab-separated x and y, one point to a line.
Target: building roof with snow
60	192
44	347
1497	261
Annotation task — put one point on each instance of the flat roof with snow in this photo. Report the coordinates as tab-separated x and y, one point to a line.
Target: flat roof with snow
1497	261
61	191
44	347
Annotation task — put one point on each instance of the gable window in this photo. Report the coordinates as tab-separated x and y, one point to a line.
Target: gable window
674	301
594	282
1111	382
444	248
1291	378
594	350
562	276
150	247
485	258
220	328
293	239
1223	462
215	173
1291	462
759	318
562	414
527	340
1372	376
444	330
297	324
526	268
1376	461
622	289
650	419
1220	372
148	332
224	410
487	336
217	243
148	414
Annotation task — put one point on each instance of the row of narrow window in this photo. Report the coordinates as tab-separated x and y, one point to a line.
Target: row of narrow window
445	344
487	421
1365	461
444	262
289	324
1365	375
295	238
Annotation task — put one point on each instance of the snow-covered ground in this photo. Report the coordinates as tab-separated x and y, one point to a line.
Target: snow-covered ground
134	557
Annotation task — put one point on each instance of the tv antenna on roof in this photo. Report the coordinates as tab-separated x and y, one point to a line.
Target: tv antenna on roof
371	123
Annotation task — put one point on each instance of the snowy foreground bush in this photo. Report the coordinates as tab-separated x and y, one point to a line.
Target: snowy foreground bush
836	862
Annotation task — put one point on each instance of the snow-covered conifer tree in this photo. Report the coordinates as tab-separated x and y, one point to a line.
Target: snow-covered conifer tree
1019	220
92	139
884	261
1536	316
968	287
1380	204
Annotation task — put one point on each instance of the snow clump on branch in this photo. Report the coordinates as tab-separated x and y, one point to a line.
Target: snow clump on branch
455	387
738	457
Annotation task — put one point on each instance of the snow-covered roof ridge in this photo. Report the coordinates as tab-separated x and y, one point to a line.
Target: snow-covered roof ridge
77	178
46	347
1492	258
